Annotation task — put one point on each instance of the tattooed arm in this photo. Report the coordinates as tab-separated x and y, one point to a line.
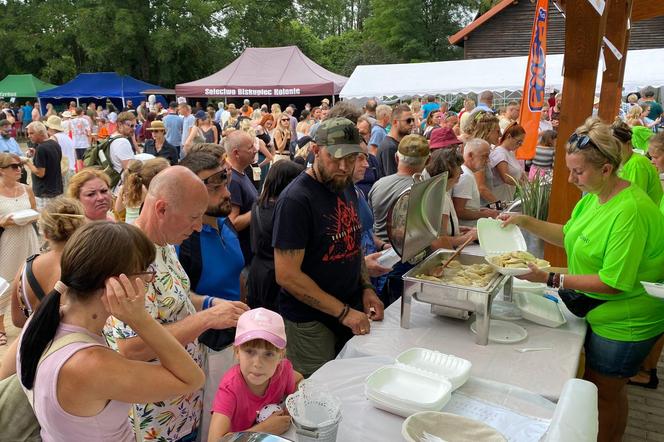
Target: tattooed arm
289	275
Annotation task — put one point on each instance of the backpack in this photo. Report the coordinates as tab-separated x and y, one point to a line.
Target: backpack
17	419
100	156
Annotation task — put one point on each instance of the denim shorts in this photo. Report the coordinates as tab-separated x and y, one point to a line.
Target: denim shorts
616	358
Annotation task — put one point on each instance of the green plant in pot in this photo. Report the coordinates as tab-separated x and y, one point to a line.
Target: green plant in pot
534	196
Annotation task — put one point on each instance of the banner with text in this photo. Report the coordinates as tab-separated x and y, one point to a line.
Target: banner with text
533	89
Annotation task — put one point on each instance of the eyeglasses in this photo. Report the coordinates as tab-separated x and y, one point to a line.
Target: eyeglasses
15	166
582	141
148	276
410	120
132	125
216	179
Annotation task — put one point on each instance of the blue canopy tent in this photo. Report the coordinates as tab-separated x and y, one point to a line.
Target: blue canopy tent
98	87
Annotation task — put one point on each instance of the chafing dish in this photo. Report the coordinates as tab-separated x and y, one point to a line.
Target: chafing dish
472	299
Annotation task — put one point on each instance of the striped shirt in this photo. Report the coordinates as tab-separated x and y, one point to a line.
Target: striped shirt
544	157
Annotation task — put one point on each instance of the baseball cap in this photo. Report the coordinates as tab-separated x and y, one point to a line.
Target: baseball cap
340	137
4	122
414	146
201	115
261	323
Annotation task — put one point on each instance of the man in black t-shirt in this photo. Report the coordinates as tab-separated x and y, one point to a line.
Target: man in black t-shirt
45	164
402	125
326	294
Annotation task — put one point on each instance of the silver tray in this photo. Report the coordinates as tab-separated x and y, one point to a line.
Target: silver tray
472	299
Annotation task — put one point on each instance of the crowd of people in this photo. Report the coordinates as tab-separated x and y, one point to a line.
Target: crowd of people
250	217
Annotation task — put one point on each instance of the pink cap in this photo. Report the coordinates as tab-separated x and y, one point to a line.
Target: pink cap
261	323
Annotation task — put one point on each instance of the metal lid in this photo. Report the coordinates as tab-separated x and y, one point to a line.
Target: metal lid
415	218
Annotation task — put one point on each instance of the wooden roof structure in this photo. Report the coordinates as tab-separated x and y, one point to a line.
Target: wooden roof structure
584	32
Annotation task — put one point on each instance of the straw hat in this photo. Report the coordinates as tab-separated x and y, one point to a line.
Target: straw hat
54	122
66	114
157	125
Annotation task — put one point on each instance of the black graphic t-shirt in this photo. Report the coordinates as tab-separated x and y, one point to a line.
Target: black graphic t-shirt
327	226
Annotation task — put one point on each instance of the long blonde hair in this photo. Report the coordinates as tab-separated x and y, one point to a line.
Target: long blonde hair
132	189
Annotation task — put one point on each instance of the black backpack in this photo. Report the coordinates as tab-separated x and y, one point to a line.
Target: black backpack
100	156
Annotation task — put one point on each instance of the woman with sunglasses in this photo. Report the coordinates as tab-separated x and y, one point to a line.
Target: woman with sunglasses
613	240
281	138
506	169
17	242
83	391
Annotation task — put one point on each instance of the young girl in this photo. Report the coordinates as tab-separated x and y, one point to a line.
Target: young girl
544	153
251	394
132	193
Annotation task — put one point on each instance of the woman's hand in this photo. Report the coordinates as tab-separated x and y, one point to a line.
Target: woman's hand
7	221
535	275
515	219
125	299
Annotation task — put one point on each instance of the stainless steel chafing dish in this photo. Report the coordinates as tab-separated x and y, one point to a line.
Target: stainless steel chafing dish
471	299
414	221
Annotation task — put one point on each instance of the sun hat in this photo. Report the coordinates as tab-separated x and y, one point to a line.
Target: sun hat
157	125
54	122
66	114
415	146
339	136
201	115
443	137
261	323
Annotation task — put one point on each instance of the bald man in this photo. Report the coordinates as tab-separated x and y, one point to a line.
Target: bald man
174	207
466	194
241	153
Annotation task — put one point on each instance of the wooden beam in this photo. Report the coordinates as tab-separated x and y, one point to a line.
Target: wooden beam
612	79
645	9
584	29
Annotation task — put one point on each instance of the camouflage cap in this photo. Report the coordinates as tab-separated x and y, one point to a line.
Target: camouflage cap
339	136
414	146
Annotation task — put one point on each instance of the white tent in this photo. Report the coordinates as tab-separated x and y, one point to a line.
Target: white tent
644	68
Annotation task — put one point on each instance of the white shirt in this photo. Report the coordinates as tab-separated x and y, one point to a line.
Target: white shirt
67	148
501	190
120	151
80	130
467	189
453	221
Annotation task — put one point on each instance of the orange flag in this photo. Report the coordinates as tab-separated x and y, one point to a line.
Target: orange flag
533	89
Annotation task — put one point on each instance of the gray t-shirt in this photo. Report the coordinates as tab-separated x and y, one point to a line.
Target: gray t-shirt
383	194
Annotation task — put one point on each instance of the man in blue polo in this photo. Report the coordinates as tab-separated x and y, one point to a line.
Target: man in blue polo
7	143
212	257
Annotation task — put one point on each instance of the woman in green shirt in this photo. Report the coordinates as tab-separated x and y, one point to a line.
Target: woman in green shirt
636	168
613	241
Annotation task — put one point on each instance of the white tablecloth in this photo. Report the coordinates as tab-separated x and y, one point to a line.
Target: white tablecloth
541	372
363	422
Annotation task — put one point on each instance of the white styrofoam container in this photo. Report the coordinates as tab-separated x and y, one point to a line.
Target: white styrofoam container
496	240
655	289
456	370
22	217
4	285
404	391
521	285
539	309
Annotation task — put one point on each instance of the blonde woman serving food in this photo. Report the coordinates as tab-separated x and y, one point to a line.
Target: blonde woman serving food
613	241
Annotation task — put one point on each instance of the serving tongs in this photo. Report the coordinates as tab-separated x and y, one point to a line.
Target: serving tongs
441	270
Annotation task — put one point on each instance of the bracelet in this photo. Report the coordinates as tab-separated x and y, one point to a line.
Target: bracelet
549	280
383	246
343	313
207	302
562	281
368	285
555	280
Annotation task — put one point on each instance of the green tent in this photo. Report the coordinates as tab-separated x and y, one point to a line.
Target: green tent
23	85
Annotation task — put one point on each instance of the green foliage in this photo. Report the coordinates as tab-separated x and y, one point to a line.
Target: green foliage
172	41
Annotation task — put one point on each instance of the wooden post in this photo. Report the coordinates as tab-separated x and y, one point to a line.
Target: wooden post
612	79
584	29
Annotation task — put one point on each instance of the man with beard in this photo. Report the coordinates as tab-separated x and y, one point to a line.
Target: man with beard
212	257
326	295
402	125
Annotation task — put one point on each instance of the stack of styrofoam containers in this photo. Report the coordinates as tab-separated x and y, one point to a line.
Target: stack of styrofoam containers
420	380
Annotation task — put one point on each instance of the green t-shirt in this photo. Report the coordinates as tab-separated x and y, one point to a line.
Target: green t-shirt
640	171
622	241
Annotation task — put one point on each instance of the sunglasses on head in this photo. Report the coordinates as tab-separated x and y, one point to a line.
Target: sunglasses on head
218	178
15	166
582	141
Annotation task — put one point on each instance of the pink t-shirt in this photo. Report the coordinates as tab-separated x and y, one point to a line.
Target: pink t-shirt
235	400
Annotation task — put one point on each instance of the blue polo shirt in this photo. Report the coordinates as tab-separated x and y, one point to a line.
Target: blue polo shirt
222	262
9	145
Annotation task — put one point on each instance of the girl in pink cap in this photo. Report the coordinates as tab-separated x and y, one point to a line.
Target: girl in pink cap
251	394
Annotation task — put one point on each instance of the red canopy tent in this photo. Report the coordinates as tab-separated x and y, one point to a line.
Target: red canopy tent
267	72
